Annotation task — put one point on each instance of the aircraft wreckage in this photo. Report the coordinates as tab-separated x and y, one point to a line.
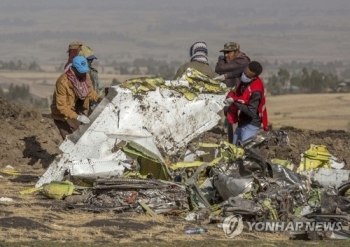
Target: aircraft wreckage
142	152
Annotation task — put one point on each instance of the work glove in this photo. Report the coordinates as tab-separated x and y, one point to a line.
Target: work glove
219	78
83	119
223	85
228	101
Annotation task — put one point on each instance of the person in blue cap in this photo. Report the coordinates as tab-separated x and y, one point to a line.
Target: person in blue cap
72	96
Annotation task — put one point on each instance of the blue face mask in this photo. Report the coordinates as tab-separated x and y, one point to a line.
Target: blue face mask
245	79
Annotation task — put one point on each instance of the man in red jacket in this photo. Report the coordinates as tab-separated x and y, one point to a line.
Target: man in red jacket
249	99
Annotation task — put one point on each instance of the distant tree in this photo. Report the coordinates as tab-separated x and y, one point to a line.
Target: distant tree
304	81
151	70
136	71
345	74
19	64
305	75
273	85
40	103
331	81
316	82
18	92
283	76
21	94
33	66
11	66
166	72
123	70
297	82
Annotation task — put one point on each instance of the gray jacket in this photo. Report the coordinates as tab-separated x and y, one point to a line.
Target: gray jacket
233	69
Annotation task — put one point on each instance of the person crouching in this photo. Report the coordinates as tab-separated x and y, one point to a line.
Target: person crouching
249	99
72	96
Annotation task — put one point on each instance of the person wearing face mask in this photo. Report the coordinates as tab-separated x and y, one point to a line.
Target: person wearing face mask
249	99
230	67
71	98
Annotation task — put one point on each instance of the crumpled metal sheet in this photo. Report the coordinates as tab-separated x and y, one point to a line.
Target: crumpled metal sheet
344	189
242	206
94	168
112	165
230	187
191	84
123	194
286	177
162	121
327	177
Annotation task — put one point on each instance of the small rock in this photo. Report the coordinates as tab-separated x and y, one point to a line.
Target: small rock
328	140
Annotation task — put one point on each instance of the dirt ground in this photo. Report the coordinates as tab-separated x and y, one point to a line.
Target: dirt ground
29	142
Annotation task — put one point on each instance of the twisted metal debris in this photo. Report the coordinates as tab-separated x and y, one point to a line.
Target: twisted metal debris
131	156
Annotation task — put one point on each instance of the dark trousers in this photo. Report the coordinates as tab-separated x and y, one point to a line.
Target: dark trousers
230	132
67	127
229	126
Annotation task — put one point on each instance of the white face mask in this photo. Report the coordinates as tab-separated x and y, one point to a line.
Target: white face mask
245	79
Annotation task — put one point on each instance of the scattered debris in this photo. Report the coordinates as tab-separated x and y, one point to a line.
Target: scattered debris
6	199
54	190
9	170
196	230
142	152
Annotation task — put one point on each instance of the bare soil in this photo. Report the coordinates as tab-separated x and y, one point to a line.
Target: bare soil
29	142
